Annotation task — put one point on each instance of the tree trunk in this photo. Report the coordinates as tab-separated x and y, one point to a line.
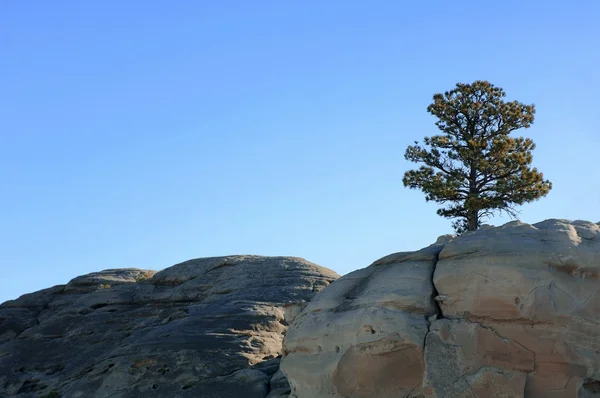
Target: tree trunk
473	220
472	214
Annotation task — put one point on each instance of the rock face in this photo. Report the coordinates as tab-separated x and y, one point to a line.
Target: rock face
209	327
511	311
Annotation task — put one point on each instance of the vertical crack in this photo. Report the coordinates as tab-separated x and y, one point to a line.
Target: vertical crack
435	294
438	310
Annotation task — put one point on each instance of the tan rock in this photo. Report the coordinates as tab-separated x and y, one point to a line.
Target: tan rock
457	352
363	336
516	313
546	272
495	382
536	286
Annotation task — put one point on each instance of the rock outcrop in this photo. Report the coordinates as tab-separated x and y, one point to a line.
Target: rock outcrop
209	327
511	311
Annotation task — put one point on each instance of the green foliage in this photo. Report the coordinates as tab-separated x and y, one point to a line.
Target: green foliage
475	167
51	394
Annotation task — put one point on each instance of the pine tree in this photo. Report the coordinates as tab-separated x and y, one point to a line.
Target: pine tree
476	168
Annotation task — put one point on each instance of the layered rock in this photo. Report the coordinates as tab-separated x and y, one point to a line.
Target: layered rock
511	311
209	327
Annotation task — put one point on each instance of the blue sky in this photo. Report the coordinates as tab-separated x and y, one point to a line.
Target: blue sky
142	134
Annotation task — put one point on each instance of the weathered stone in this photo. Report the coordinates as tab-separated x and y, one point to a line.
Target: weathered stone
537	286
363	335
279	386
513	311
210	327
457	352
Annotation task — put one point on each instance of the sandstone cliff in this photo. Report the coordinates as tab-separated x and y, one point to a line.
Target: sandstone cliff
511	311
209	327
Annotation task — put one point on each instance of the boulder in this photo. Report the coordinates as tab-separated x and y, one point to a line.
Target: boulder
363	335
210	327
510	311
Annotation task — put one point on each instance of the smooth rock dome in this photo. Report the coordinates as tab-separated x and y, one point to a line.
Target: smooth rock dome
210	327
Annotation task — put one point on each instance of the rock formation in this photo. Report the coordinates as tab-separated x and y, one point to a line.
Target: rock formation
209	327
511	311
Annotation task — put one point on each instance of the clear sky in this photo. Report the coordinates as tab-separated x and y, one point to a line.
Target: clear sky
145	133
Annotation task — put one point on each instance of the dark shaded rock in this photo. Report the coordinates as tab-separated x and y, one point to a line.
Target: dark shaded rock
210	327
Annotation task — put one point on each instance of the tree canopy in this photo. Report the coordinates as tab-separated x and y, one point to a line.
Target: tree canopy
475	167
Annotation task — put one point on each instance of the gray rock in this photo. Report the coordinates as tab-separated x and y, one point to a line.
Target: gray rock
210	327
279	386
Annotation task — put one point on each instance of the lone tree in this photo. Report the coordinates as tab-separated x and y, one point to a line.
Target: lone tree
475	167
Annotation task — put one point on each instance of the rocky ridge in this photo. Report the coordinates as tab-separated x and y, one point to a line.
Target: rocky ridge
511	311
210	327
